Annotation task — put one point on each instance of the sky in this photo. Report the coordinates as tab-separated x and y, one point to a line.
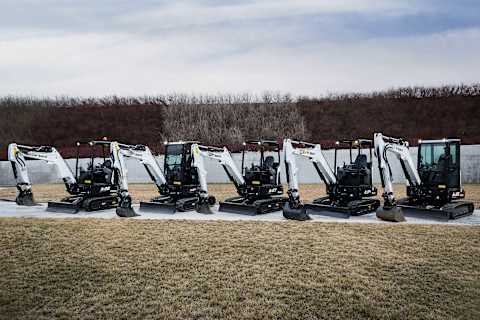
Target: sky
302	47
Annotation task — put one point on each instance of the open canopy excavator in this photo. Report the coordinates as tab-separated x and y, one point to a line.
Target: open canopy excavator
348	187
258	186
94	187
182	184
433	188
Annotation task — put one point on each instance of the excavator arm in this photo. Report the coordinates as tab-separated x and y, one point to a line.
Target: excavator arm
143	154
17	154
313	153
398	147
222	156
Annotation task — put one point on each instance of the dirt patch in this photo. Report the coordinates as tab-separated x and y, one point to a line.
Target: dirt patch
127	269
146	191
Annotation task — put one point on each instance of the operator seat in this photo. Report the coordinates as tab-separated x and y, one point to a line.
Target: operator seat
269	162
269	165
360	161
102	173
357	173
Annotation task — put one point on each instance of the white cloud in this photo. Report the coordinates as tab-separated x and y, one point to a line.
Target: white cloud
90	64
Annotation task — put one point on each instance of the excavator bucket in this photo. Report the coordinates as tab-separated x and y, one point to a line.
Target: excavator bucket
25	199
394	214
62	207
203	208
126	212
299	214
158	207
124	208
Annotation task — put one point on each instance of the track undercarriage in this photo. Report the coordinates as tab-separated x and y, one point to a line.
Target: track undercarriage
167	204
326	207
75	203
241	205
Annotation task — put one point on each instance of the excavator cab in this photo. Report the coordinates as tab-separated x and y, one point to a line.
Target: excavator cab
181	175
355	177
262	177
98	177
438	166
262	191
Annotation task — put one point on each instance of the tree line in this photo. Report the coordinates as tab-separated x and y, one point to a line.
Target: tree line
229	119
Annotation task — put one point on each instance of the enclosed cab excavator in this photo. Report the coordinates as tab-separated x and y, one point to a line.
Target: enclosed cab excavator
434	188
96	187
258	186
181	184
348	187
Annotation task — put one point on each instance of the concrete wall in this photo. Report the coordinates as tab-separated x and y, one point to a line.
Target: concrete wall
43	173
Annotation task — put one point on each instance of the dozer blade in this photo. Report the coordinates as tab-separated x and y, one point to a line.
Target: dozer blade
327	211
62	207
394	214
158	207
203	208
453	210
126	212
299	214
26	199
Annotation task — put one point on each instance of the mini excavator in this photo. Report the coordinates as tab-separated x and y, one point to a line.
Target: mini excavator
348	187
97	186
258	186
182	183
434	188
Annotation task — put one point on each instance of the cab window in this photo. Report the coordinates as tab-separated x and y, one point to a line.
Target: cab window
431	154
173	157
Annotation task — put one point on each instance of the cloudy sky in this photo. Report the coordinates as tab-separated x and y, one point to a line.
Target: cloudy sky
98	47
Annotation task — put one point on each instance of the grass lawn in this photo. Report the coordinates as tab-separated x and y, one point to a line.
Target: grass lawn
126	269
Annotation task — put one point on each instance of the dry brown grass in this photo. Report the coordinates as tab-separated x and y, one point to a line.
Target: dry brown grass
146	191
127	269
